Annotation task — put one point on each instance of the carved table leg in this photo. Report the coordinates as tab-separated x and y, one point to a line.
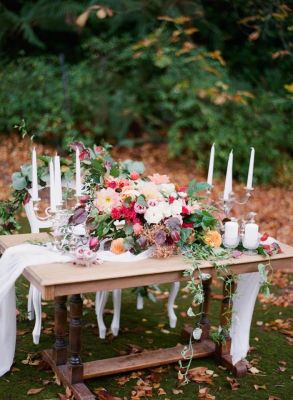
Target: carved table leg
60	346
204	322
75	364
222	351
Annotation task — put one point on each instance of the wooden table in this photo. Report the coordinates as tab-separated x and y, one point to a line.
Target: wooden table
57	281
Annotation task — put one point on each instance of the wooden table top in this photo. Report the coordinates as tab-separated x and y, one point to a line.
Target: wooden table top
66	278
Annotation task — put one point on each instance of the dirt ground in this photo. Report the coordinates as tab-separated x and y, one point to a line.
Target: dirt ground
273	205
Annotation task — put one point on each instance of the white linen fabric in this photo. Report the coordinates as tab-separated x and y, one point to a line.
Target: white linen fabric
243	305
242	311
13	262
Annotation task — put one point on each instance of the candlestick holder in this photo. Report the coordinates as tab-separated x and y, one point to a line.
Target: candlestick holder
227	204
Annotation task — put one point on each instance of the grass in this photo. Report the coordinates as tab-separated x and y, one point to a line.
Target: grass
144	328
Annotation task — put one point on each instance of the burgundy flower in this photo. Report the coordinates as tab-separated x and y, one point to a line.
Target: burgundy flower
94	243
84	154
175	235
74	145
187	225
26	199
84	199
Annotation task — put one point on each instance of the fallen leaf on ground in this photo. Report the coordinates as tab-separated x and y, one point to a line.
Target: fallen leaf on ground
122	380
161	392
254	370
103	394
274	398
199	375
235	385
258	387
204	394
177	391
33	391
21	332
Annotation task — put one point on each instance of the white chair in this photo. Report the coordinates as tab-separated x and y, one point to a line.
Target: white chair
34	306
101	300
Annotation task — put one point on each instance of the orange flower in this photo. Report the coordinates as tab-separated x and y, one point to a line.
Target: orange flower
117	246
213	239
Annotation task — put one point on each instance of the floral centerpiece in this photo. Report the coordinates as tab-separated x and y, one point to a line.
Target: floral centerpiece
137	212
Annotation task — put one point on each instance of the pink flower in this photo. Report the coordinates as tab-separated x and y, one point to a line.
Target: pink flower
112	184
158	179
171	199
137	229
106	200
139	208
153	203
134	175
185	210
116	213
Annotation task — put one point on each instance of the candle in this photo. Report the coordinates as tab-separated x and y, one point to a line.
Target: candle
77	173
250	169
52	187
229	177
211	166
231	235
250	240
57	180
35	194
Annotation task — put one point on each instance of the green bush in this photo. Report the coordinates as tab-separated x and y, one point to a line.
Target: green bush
159	86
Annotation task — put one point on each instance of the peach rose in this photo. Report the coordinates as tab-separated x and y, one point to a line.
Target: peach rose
213	239
117	246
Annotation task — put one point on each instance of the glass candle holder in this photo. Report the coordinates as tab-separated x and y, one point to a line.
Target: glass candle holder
231	236
251	236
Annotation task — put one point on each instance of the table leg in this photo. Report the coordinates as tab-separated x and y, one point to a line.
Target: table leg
60	346
75	364
222	352
204	321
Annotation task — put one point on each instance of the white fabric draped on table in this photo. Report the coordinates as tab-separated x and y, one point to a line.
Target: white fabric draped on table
13	262
17	258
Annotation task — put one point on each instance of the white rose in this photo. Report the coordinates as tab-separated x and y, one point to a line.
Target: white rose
176	207
165	209
167	188
153	215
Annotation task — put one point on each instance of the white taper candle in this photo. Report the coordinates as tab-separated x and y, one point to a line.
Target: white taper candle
52	187
35	193
229	177
77	173
211	166
250	169
57	180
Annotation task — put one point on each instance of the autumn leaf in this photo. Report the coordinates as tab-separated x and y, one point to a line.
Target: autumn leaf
161	392
258	387
103	394
33	391
199	375
177	391
254	370
233	383
203	393
254	35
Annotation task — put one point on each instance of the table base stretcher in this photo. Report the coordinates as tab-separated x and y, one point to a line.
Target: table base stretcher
72	372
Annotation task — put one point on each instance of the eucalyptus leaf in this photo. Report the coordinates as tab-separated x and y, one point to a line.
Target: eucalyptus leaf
18	181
